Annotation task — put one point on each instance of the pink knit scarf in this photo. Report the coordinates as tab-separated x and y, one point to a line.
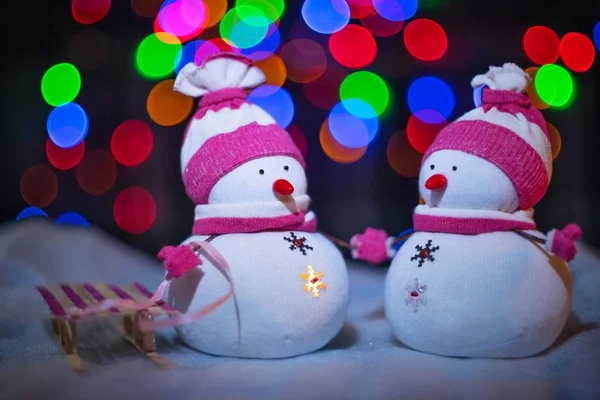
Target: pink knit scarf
470	222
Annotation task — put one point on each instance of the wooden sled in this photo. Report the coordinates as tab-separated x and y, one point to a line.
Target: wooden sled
61	298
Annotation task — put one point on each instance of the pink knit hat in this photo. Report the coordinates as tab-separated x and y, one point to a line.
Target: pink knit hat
506	130
226	131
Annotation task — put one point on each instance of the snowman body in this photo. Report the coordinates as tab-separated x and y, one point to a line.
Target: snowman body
291	290
489	295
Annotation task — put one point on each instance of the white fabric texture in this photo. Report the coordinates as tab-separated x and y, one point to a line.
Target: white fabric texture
507	77
277	317
493	295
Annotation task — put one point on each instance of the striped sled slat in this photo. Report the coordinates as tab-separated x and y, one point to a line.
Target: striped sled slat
63	297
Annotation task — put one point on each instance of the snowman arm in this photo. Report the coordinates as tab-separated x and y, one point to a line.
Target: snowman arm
560	243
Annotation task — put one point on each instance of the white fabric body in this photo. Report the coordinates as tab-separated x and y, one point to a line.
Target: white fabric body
490	295
278	318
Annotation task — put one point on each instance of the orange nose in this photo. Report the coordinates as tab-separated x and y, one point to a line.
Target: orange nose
283	187
436	182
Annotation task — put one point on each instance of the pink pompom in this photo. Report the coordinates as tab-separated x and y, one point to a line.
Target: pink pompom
179	260
372	246
562	243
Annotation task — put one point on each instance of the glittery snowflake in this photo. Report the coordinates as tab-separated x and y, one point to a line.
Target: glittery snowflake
297	243
424	253
313	281
415	294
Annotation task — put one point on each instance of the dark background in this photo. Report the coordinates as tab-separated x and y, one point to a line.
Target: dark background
347	198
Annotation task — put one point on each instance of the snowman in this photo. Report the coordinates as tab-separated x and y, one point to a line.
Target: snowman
476	279
288	284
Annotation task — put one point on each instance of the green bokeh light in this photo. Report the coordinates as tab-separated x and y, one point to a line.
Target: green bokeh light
368	87
156	55
244	26
61	84
272	9
554	85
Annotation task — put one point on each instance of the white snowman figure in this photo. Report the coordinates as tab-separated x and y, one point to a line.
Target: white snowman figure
476	279
246	177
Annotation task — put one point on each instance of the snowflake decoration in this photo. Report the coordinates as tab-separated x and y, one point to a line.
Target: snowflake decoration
313	281
297	243
424	253
415	294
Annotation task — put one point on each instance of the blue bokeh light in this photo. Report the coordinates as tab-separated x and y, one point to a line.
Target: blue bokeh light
276	101
72	218
326	16
477	96
187	54
430	93
266	47
396	10
67	125
31	212
348	129
596	35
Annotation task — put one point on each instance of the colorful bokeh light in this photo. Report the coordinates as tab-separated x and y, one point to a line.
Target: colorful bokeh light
428	94
184	19
353	46
425	39
335	151
88	49
188	52
554	85
274	69
167	107
325	91
72	218
31	212
369	88
156	55
64	159
541	45
596	36
298	138
134	210
67	125
148	8
244	26
272	9
39	186
361	8
216	10
276	101
61	84
266	47
326	16
396	10
421	134
305	60
131	143
402	157
577	51
534	97
89	11
349	130
97	172
380	26
555	140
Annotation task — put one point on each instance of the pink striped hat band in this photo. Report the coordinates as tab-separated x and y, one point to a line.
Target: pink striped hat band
223	153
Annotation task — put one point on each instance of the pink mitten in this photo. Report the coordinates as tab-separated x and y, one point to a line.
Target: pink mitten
373	246
562	243
178	260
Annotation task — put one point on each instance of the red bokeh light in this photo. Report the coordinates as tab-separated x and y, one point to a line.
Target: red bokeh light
132	142
361	8
89	11
39	186
425	39
421	134
380	26
298	138
305	60
353	47
64	159
325	91
577	51
134	210
541	45
97	172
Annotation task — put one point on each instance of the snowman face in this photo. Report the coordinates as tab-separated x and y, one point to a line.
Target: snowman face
454	179
266	179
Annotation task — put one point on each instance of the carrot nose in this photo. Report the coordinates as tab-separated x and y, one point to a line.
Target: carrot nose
436	182
283	187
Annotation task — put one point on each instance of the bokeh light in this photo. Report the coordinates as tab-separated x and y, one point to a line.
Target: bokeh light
425	39
188	52
336	151
596	35
184	19
555	140
131	143
222	45
541	45
369	88
167	107
577	51
134	210
325	91
216	10
64	159
244	26
554	85
304	59
266	47
148	8
274	69
97	172
300	30
421	134
72	218
61	84
353	47
89	11
534	97
276	101
349	130
272	9
361	8
39	186
67	125
326	16
428	94
298	138
157	55
402	157
88	49
31	212
380	26
396	10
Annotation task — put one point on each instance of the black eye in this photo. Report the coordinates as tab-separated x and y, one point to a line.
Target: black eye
286	168
262	171
454	168
432	166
